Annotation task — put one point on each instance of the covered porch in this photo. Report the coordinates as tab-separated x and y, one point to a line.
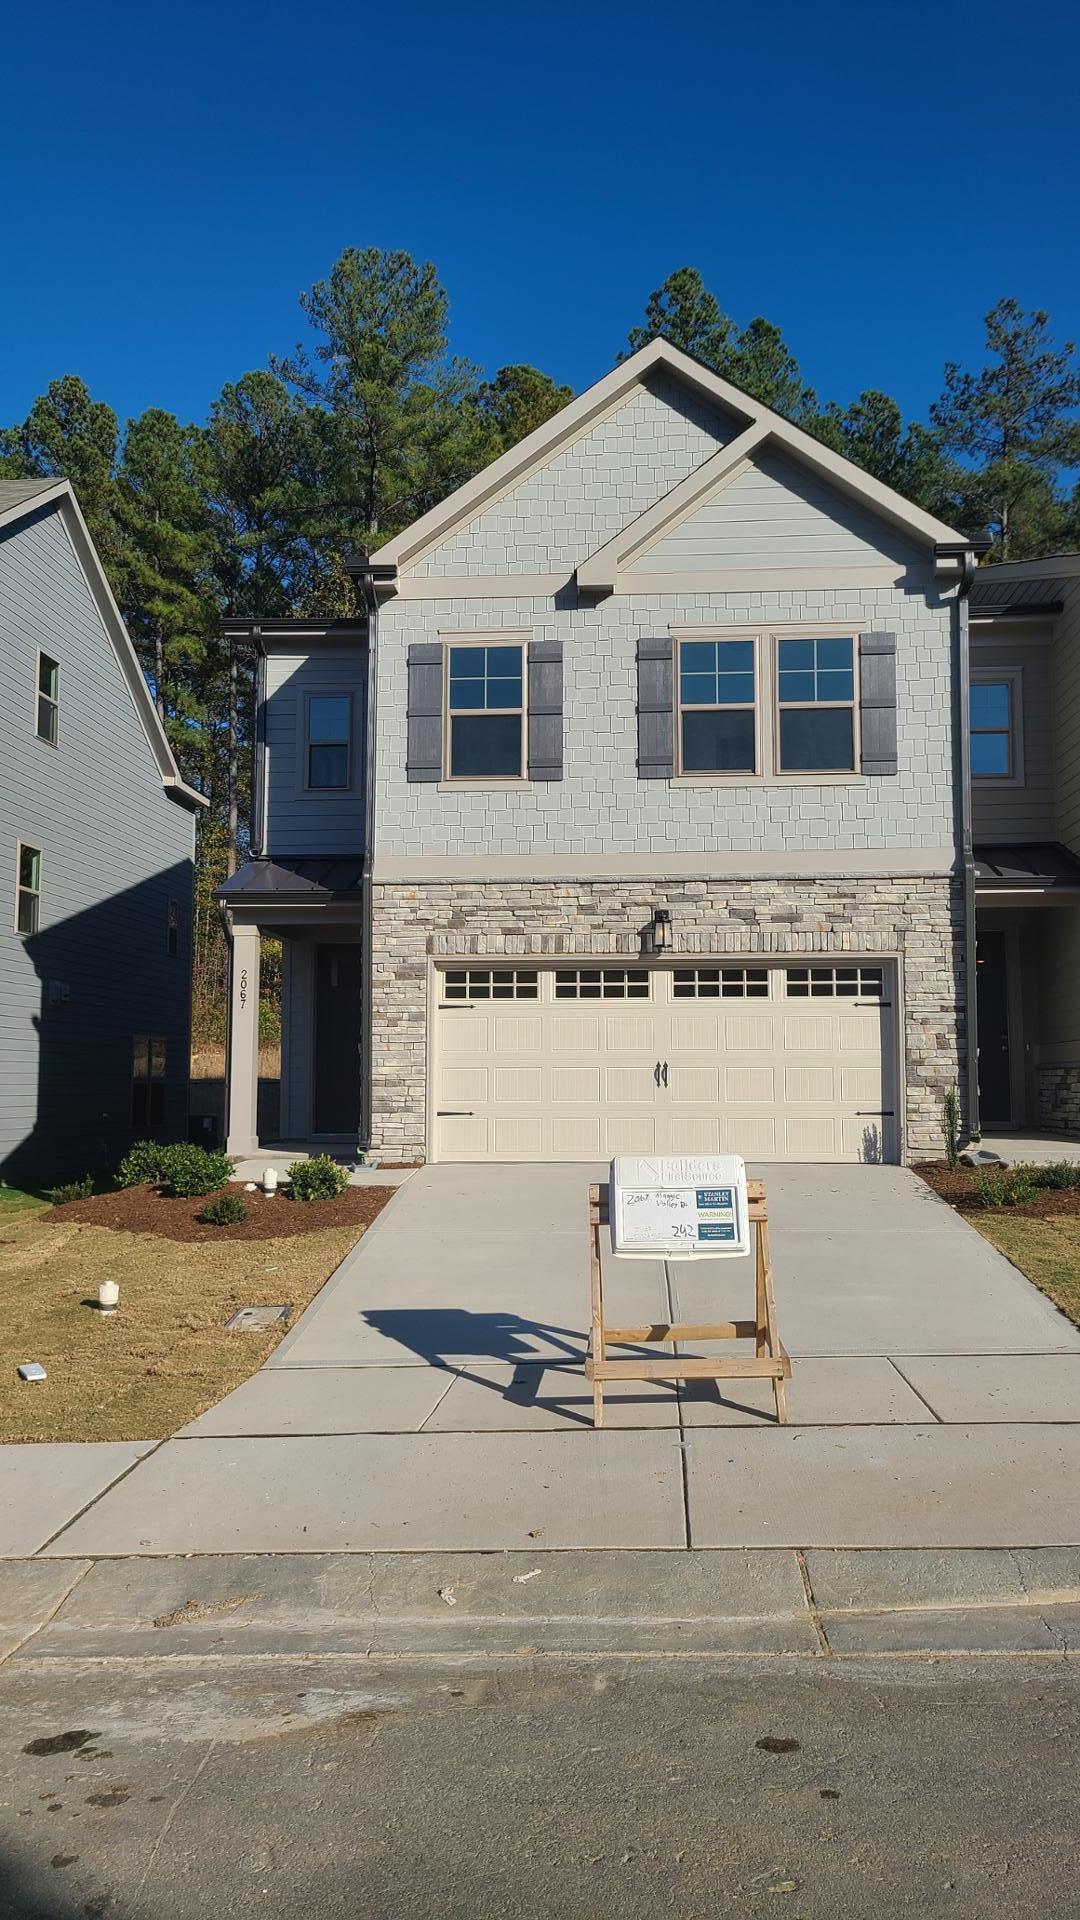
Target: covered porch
1028	980
314	907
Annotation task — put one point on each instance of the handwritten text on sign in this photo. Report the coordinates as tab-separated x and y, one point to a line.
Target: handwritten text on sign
682	1207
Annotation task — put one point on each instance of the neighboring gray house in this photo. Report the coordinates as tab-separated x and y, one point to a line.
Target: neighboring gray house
96	862
1025	752
633	817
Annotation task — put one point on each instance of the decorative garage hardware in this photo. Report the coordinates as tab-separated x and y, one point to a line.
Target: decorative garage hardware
602	983
491	983
674	1209
658	935
720	983
835	983
660	1073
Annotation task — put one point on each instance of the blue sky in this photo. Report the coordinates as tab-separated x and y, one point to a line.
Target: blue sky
872	179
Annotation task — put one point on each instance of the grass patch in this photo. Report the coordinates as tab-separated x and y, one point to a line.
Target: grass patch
1047	1250
164	1357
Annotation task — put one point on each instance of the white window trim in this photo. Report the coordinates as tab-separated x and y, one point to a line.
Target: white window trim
29	847
702	776
493	782
327	793
767	649
1013	678
40	655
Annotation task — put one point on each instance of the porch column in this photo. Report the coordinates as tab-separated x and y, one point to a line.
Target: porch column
242	1090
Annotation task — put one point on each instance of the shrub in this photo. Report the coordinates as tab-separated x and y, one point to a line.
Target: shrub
144	1162
190	1170
1006	1186
226	1211
71	1190
269	1024
319	1178
950	1126
1059	1176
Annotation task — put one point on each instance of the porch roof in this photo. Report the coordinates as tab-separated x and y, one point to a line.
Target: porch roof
325	877
1036	868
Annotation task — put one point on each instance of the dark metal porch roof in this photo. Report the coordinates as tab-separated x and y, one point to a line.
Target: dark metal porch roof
308	880
1038	867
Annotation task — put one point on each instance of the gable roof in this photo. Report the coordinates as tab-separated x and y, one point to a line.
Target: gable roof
18	500
759	425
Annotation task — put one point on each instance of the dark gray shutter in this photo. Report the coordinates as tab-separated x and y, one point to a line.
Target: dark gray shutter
545	710
424	758
655	709
877	702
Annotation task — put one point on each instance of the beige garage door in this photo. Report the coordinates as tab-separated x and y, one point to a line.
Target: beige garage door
582	1062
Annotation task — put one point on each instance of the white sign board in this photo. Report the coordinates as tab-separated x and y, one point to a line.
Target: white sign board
679	1207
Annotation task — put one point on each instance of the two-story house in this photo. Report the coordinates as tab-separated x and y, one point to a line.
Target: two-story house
1025	778
633	816
97	839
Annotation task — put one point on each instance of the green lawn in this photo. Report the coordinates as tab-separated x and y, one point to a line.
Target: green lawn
13	1200
1048	1251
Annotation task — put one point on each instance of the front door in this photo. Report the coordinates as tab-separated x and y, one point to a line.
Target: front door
992	984
337	1040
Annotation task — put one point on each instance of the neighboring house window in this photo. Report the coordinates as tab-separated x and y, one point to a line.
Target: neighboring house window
994	730
48	697
485	712
816	706
717	729
147	1082
329	741
28	890
172	928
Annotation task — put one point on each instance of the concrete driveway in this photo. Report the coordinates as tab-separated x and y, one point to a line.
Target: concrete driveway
432	1396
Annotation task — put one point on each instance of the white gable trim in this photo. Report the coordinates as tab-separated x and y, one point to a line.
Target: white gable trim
86	559
573	420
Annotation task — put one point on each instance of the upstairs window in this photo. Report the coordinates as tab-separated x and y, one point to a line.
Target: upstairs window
329	742
717	706
816	706
485	712
48	698
993	730
28	890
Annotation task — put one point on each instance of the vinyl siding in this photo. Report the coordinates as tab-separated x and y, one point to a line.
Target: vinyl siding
114	849
774	514
1058	936
1067	717
299	822
1028	811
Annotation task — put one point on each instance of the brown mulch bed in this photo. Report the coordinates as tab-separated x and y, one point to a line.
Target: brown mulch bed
147	1210
957	1186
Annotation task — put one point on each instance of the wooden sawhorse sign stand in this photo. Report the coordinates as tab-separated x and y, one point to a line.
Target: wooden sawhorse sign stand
769	1362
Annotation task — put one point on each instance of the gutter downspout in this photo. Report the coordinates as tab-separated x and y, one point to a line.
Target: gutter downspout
366	588
971	1015
258	810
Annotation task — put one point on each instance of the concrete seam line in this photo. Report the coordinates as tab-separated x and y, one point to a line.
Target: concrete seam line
50	1616
455	1374
102	1491
914	1389
811	1603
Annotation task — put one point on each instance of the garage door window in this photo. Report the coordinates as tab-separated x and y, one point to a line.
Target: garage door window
834	983
721	983
602	983
491	983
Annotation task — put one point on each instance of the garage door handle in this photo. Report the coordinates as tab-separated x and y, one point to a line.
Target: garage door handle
874	1113
664	1072
656	1073
453	1113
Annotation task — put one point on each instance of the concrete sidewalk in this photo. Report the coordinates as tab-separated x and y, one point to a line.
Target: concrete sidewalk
432	1399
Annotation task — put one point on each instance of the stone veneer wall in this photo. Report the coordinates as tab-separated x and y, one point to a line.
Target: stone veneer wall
1059	1098
921	919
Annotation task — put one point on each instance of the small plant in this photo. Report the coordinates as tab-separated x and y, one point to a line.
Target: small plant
71	1190
1058	1177
143	1163
319	1178
189	1170
950	1127
226	1211
1006	1186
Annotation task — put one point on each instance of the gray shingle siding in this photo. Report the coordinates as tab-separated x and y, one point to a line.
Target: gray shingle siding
115	849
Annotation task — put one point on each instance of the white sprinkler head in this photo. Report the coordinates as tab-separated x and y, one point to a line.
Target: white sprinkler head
108	1296
270	1180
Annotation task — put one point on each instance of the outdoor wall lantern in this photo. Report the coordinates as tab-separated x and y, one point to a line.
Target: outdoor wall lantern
659	939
